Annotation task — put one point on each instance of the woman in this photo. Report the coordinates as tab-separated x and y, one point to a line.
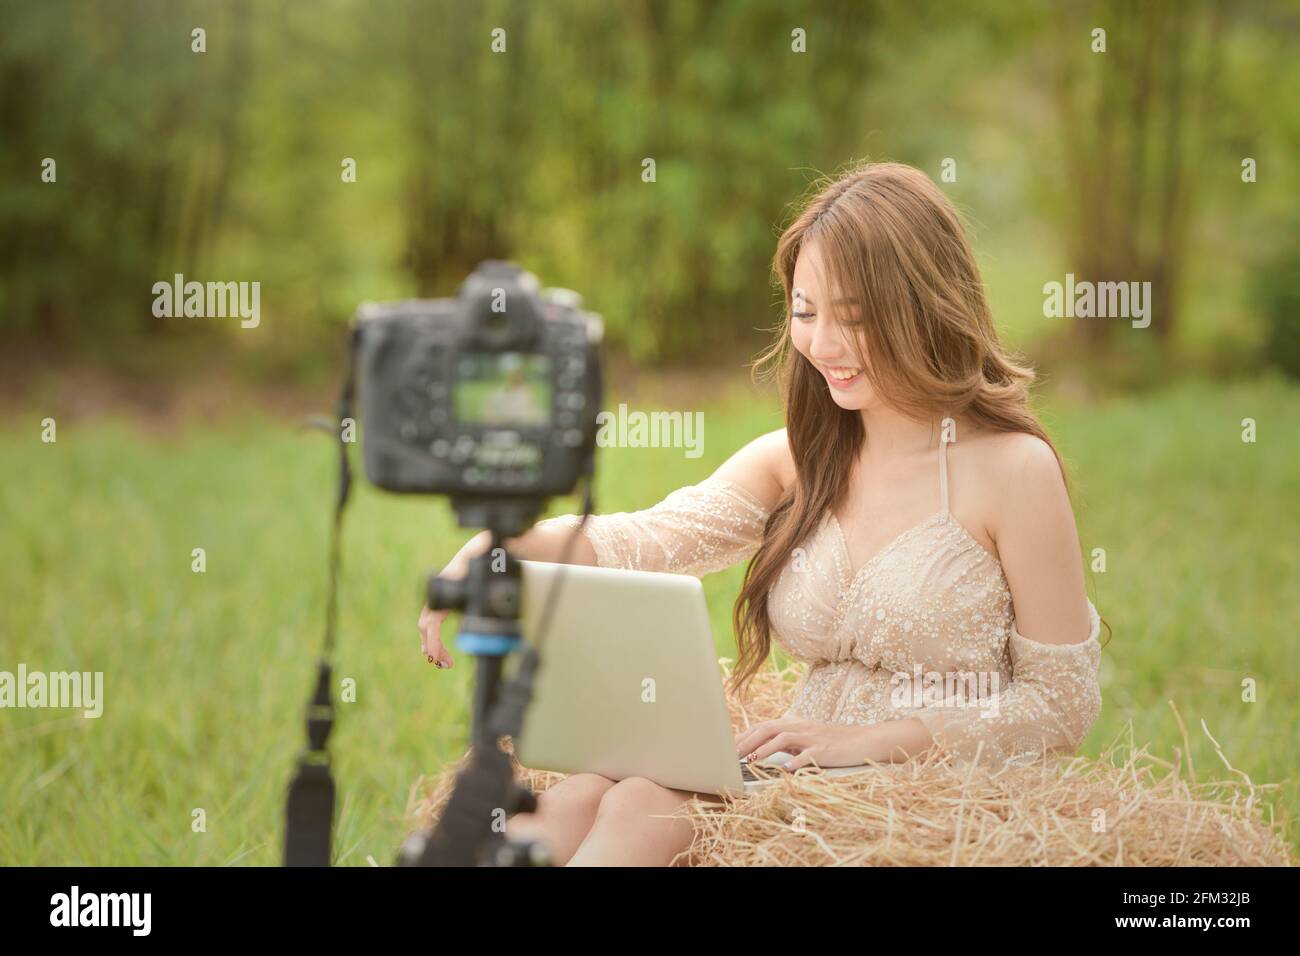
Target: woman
910	528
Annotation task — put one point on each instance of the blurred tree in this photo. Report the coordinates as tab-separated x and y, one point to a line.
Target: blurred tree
226	164
142	157
1133	117
1276	288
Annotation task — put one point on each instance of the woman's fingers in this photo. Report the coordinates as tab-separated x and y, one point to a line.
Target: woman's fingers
425	615
787	741
802	759
759	735
431	637
431	621
751	738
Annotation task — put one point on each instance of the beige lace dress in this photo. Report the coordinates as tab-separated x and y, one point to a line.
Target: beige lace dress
923	629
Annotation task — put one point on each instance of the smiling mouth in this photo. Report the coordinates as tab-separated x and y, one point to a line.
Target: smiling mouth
840	376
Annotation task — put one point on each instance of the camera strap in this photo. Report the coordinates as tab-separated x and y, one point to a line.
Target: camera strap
309	810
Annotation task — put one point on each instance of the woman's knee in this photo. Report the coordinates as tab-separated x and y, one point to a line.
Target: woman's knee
581	792
637	797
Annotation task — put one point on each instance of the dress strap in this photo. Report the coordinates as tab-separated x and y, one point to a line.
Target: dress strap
943	468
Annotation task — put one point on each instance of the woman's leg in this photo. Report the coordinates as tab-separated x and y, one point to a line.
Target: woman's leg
628	832
564	815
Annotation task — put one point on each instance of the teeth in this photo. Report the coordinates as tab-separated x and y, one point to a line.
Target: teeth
842	374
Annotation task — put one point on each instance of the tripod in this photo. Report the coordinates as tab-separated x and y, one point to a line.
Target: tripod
471	830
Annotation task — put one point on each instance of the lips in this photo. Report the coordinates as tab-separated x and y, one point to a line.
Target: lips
841	376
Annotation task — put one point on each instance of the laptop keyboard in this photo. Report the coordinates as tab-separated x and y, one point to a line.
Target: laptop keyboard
746	774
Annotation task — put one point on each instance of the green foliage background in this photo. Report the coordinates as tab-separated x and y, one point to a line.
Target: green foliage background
226	164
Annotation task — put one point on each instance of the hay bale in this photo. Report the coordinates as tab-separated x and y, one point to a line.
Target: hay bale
1126	807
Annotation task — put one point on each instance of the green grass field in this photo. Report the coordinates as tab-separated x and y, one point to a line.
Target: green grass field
205	675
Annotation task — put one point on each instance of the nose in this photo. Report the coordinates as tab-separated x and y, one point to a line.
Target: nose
827	346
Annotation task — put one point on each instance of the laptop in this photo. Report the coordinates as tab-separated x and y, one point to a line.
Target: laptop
629	684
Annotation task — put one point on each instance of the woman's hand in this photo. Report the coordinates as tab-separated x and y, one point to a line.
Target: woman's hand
431	636
834	745
810	741
431	621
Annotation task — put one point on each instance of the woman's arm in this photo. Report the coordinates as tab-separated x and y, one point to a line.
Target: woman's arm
694	530
764	468
1038	545
759	469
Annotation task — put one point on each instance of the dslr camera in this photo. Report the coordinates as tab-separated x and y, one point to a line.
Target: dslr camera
489	398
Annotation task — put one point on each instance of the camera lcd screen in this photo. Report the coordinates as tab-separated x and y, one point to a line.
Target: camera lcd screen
503	388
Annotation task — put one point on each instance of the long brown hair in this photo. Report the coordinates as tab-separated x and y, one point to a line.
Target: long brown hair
889	238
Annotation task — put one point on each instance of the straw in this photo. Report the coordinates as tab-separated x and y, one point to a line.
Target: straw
1126	807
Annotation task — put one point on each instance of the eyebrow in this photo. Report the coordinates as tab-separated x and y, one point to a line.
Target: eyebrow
849	301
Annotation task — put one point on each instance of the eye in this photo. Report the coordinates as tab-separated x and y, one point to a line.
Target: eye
803	316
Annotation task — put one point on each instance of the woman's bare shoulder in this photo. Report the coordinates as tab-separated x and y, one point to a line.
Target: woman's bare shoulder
1004	458
1010	474
989	470
763	467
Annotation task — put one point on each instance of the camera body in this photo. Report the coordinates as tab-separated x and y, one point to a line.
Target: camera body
488	397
